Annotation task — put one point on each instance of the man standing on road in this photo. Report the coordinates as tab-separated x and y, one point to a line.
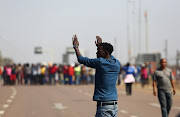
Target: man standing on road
107	70
164	79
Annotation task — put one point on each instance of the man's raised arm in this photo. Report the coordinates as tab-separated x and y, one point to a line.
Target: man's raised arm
75	45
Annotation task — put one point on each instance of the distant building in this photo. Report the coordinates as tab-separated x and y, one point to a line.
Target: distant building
7	61
149	58
70	50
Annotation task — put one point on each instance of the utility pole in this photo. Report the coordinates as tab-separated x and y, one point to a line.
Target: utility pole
146	27
135	50
129	46
166	50
139	26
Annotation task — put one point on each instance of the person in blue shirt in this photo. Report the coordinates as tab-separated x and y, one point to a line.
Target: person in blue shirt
129	79
107	70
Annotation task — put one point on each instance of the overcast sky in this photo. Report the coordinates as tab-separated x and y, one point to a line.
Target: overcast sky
25	24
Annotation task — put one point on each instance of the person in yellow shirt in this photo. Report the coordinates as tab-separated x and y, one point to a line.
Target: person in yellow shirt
43	71
77	70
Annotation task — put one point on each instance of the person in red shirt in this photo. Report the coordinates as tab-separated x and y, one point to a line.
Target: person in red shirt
71	74
52	72
13	75
65	72
144	76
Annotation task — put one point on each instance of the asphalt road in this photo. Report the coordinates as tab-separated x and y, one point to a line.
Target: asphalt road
76	101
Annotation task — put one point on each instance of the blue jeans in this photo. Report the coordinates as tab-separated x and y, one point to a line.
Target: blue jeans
77	79
165	100
70	80
107	111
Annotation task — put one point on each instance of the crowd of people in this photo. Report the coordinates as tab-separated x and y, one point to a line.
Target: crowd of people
69	74
46	74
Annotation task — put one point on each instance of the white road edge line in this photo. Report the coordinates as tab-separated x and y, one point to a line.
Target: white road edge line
2	112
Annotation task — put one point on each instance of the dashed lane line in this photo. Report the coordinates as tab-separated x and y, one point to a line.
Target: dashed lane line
154	104
14	94
123	111
133	116
11	97
59	106
9	100
158	105
2	112
178	108
5	106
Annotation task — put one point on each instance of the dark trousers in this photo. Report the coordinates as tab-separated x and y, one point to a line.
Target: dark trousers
51	77
128	88
165	100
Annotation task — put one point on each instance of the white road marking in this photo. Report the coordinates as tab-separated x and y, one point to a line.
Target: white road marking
2	112
155	105
123	111
133	116
59	106
178	108
158	105
5	105
9	101
12	97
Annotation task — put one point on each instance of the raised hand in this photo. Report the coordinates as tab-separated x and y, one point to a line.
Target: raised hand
98	40
75	40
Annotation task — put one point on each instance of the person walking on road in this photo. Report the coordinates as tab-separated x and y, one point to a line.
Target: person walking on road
163	77
107	70
144	76
129	79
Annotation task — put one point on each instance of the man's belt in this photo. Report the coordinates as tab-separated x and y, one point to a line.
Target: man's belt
99	103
